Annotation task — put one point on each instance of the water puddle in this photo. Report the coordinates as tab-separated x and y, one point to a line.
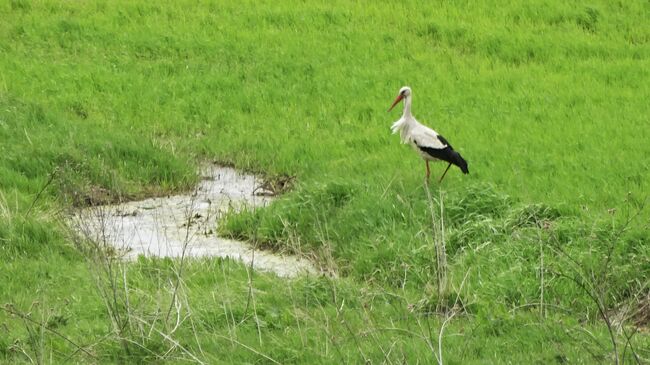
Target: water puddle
185	224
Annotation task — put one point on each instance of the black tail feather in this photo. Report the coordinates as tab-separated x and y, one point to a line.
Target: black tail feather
447	154
459	161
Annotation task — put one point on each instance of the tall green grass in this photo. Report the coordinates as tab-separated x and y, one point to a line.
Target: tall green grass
547	101
544	105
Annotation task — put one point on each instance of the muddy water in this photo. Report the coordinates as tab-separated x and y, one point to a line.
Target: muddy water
186	224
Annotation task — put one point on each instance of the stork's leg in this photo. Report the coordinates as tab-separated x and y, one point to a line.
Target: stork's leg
428	171
444	173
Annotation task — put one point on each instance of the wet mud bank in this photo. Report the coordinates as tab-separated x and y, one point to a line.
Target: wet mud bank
185	225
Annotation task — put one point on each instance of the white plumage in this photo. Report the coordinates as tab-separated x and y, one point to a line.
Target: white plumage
428	143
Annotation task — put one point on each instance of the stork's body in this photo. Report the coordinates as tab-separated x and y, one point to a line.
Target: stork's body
430	145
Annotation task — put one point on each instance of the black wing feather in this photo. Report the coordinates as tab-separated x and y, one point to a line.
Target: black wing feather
444	141
446	154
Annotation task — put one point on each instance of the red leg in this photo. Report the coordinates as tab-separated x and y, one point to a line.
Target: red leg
428	171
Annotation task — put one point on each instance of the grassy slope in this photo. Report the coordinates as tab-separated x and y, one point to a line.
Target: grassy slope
548	103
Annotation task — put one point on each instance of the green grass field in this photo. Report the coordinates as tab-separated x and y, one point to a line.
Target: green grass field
548	237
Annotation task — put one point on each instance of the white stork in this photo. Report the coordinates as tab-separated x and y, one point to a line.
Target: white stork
428	143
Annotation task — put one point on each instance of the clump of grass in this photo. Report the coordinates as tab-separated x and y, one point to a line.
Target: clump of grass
143	322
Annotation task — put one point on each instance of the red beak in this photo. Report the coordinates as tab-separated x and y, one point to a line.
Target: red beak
397	100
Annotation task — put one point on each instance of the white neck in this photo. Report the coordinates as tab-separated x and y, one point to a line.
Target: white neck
407	107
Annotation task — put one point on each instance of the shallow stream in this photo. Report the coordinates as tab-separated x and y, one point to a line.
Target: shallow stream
159	226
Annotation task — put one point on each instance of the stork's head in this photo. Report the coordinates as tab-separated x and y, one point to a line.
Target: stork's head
404	92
